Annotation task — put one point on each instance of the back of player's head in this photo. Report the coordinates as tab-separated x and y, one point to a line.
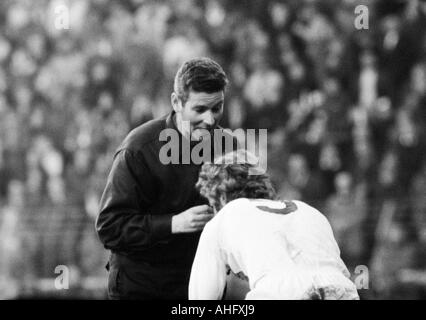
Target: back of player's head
231	177
200	75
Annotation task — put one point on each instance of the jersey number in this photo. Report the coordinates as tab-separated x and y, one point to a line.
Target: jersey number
290	207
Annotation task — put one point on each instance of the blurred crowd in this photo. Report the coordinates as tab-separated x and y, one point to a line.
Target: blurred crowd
345	110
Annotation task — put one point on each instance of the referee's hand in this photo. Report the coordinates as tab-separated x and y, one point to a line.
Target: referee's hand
192	220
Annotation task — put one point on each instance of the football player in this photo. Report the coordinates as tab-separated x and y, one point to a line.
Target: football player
284	249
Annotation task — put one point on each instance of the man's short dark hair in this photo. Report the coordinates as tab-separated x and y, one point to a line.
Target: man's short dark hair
200	75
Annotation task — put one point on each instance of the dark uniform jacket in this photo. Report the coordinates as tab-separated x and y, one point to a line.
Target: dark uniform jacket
140	198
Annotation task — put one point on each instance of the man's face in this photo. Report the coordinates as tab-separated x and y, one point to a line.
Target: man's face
202	111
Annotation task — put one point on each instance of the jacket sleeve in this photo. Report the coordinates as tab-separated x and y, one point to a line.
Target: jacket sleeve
124	222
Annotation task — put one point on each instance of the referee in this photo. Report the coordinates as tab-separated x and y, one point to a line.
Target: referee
150	214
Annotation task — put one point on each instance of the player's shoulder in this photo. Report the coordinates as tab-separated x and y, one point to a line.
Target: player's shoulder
233	210
228	215
236	205
247	204
244	205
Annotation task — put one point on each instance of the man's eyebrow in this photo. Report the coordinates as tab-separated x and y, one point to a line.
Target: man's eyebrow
218	104
200	106
204	106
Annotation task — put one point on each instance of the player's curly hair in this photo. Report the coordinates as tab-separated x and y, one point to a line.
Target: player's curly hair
233	180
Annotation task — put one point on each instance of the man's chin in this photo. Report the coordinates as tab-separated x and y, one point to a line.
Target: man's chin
198	138
199	135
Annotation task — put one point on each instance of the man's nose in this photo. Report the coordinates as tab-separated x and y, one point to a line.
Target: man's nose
209	118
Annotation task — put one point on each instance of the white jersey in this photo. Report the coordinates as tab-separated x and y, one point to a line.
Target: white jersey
286	249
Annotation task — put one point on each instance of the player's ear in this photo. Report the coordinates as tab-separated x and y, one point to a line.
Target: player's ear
176	103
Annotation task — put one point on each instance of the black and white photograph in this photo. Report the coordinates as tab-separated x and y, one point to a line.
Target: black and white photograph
212	150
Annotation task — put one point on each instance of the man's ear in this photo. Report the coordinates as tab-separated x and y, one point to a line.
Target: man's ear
176	104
